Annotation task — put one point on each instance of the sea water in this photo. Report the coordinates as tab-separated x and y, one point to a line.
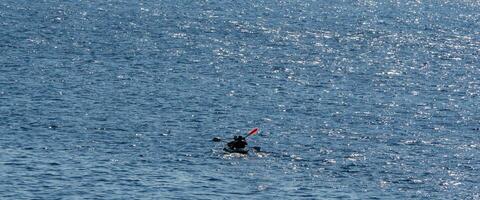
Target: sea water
120	99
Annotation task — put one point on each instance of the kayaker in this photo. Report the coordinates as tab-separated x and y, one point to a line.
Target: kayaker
238	143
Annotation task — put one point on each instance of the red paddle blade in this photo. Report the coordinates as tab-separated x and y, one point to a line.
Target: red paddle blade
253	131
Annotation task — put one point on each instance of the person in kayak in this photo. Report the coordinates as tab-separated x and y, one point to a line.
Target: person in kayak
238	143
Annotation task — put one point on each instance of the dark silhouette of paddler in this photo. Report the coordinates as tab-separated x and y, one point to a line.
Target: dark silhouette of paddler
238	142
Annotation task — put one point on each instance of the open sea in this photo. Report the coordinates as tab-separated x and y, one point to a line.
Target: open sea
354	99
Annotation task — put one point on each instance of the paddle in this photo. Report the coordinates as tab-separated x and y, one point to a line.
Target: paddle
252	132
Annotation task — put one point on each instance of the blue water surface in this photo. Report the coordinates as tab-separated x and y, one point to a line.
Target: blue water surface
120	99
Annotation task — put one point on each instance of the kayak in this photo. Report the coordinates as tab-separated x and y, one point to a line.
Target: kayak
230	150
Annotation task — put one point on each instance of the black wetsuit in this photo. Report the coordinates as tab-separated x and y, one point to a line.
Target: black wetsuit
238	143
